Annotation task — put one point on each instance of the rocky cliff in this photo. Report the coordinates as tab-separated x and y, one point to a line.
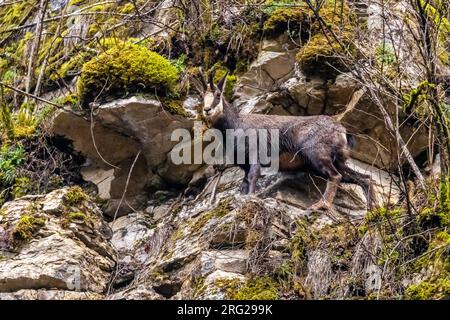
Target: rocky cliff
101	212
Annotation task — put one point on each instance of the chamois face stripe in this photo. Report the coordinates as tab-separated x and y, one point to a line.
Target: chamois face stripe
212	102
208	99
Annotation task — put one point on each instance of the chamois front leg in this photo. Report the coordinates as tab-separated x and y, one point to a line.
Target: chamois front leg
334	178
243	189
365	181
253	176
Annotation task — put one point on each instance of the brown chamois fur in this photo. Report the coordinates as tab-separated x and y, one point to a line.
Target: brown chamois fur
317	144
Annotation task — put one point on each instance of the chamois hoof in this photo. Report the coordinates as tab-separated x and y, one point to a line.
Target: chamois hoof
322	205
243	189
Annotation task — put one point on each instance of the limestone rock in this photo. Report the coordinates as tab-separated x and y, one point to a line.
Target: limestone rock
135	130
274	64
28	294
49	243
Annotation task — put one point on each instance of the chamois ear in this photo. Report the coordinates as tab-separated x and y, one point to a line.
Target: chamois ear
223	82
211	79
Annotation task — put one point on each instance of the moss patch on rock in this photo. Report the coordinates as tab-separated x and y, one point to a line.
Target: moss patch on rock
78	216
223	208
175	107
75	196
435	263
123	69
27	225
263	288
299	20
296	20
324	56
427	290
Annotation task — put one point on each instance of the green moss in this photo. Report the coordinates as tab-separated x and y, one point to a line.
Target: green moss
175	107
435	265
285	275
382	214
21	187
70	100
414	99
70	67
264	288
78	216
229	287
271	5
437	16
25	123
300	241
437	211
199	286
76	2
297	20
75	196
123	69
127	8
301	22
327	59
27	226
234	45
321	55
223	208
430	290
201	222
12	15
177	235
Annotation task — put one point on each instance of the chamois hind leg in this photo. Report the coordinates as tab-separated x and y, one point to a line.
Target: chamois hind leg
326	167
365	181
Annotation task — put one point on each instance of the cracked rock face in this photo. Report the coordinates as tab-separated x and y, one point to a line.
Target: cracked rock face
197	250
185	248
64	248
135	130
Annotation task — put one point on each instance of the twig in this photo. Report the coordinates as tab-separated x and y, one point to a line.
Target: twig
126	185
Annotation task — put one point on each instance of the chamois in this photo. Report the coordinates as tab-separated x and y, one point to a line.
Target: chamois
316	144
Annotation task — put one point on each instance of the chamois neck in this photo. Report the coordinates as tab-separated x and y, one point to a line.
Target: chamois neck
229	119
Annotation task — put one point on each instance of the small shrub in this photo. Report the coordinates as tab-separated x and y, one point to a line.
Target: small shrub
10	159
385	54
